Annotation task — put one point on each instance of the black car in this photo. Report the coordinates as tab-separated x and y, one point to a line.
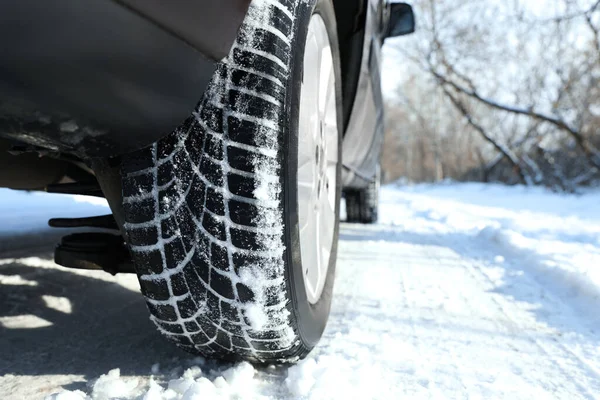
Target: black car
222	134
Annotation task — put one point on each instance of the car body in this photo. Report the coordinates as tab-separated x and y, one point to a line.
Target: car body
222	134
70	85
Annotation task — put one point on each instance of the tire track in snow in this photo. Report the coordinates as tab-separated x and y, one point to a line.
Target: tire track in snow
550	350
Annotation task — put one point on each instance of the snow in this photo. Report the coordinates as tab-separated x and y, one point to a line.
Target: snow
192	385
75	395
461	291
26	212
555	237
110	386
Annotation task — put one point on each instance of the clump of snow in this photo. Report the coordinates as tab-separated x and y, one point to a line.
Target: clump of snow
111	386
154	392
239	376
256	316
188	379
74	395
301	378
257	278
263	191
235	383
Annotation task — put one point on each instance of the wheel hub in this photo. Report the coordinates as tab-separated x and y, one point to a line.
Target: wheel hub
317	158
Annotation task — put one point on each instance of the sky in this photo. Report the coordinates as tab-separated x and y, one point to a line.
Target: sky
394	66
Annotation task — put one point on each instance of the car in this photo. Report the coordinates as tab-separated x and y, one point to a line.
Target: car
222	134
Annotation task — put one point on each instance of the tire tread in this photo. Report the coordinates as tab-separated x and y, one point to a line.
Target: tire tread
199	183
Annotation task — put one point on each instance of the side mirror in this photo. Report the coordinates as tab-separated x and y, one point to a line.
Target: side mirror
401	21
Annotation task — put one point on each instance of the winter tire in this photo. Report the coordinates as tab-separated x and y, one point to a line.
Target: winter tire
362	205
217	214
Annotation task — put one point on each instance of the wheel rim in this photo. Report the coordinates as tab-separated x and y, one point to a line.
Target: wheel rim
317	158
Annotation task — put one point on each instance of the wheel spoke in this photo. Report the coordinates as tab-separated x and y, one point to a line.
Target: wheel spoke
325	77
326	235
306	166
310	253
332	146
327	217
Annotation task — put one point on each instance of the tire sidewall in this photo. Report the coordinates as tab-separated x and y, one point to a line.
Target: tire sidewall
310	318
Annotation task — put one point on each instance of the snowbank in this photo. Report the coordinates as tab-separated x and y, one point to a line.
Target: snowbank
554	237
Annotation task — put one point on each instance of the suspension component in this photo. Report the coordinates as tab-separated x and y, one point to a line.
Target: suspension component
102	221
94	251
83	188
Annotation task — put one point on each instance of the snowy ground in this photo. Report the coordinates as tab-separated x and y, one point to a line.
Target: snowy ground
462	291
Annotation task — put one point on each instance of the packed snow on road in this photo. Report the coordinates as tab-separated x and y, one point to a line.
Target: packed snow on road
461	291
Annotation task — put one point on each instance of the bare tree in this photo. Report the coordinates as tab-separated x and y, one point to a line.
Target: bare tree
539	119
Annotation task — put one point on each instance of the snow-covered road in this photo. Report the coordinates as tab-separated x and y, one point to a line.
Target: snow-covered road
462	291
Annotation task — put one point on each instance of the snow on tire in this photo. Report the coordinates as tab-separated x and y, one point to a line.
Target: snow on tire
211	210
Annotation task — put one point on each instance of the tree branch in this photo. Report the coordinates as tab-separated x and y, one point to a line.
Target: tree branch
507	153
588	148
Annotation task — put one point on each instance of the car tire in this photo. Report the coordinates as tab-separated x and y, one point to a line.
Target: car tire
362	205
215	212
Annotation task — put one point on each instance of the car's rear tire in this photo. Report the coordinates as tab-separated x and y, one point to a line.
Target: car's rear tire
362	205
214	211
